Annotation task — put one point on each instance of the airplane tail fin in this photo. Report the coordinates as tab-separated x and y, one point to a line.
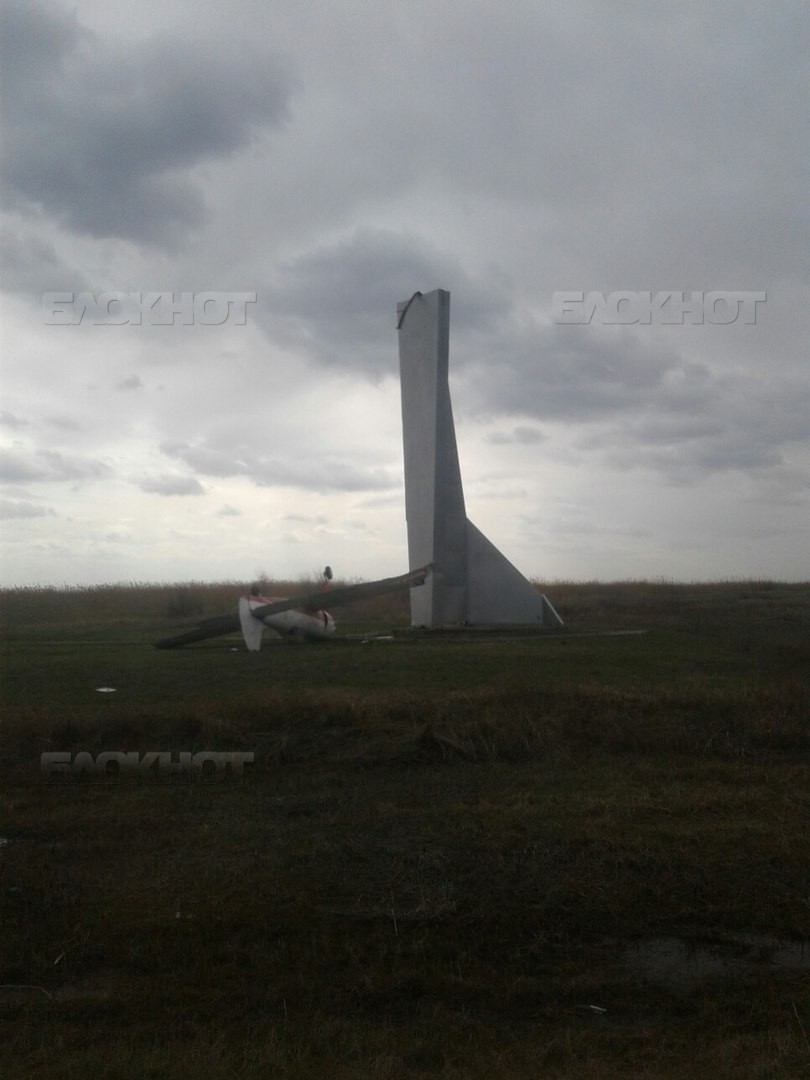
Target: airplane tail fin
251	628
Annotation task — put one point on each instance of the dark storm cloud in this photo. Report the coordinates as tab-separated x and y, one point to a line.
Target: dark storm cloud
103	138
338	302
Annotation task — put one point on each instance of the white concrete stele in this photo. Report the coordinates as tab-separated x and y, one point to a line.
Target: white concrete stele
472	582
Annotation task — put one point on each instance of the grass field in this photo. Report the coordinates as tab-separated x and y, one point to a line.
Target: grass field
457	854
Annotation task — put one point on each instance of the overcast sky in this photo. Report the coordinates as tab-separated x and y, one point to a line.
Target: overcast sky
333	159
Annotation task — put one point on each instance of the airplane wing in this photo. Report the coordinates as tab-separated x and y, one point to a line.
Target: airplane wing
315	601
208	628
332	598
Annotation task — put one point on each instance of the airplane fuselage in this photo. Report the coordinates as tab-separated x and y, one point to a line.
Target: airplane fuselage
295	624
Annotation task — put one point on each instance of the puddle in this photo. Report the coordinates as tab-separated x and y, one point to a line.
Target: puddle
678	964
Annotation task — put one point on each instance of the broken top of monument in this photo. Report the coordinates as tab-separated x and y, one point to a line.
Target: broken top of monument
472	581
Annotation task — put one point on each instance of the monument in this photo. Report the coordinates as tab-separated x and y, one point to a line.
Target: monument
472	582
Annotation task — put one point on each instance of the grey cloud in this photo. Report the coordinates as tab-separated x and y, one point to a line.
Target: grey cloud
687	463
604	130
37	40
525	436
338	302
131	382
746	425
322	474
64	423
551	374
207	461
31	266
104	139
667	430
306	519
8	419
171	485
704	138
639	404
25	466
23	509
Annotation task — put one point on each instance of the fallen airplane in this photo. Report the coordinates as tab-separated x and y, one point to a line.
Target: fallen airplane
298	618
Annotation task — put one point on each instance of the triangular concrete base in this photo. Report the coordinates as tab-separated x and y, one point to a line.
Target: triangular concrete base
497	592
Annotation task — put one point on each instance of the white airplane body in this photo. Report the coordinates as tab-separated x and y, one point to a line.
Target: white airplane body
297	624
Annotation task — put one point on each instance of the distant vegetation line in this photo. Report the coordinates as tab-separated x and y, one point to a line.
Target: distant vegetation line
35	609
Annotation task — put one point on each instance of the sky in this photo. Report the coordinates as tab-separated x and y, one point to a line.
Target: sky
331	160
